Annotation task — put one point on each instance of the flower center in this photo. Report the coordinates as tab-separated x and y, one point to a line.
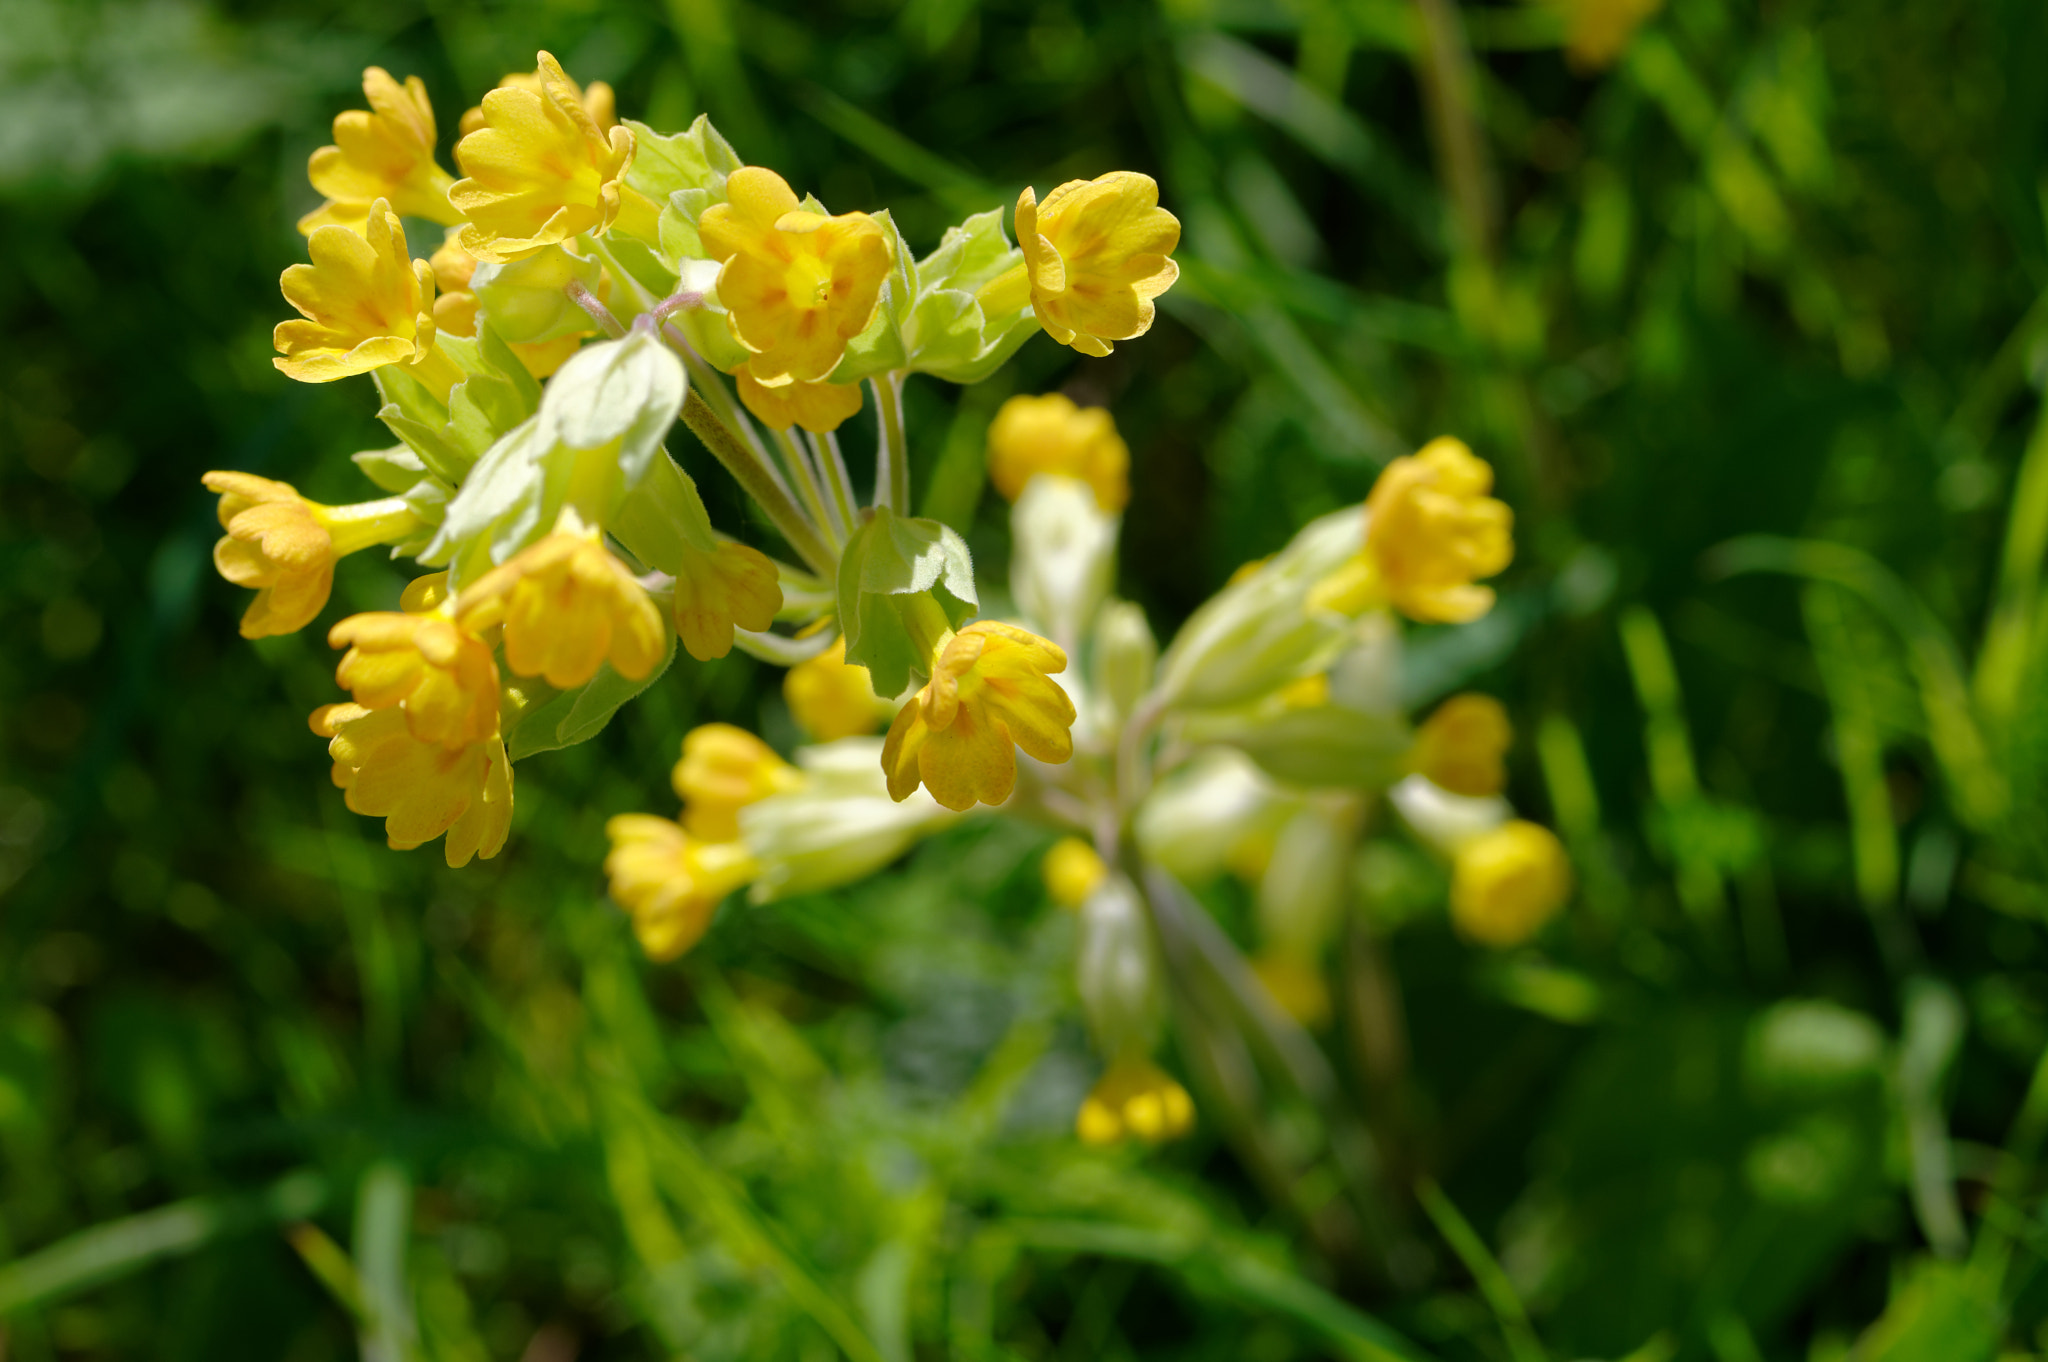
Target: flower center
808	282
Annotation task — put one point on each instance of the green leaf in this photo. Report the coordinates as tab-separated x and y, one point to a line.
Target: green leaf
1945	1313
573	716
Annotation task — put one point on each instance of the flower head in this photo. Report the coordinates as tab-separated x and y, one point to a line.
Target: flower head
1135	1097
991	690
723	770
1431	532
285	546
670	882
568	607
384	152
731	586
831	698
817	407
365	302
796	285
1462	746
438	673
420	789
1072	871
597	99
1507	882
1049	434
1096	253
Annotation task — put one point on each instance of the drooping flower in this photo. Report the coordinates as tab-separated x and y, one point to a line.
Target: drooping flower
568	606
1049	434
1072	871
1597	32
597	99
1295	985
1096	253
1134	1098
670	882
1507	882
365	303
796	285
455	307
817	407
285	546
439	674
1431	532
420	789
831	698
724	769
731	586
1463	746
990	691
540	170
384	152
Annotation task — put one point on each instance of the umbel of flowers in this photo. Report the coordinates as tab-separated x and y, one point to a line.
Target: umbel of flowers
598	283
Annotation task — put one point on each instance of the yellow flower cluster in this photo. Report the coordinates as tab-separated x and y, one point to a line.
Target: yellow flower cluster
1134	1099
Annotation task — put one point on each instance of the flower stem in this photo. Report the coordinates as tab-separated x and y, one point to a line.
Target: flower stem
807	480
826	447
759	481
892	461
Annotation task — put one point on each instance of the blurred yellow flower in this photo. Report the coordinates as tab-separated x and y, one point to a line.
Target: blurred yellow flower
817	407
1597	32
1072	870
724	769
719	590
831	699
1049	434
420	789
455	309
285	546
1462	747
1431	532
670	882
1508	882
597	100
440	675
1295	985
1135	1097
365	303
1305	692
991	689
1096	253
796	285
384	152
568	607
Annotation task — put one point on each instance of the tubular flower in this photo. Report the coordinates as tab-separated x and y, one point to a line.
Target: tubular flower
1597	31
597	100
723	770
1295	985
568	607
1431	532
1462	746
1096	253
365	303
1072	870
991	689
1134	1098
797	285
731	586
455	309
1508	882
670	882
420	789
285	546
1049	434
830	698
540	170
439	674
384	152
817	407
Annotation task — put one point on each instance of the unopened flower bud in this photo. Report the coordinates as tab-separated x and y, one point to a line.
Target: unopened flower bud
840	826
1505	884
1301	895
1063	556
1072	872
1126	655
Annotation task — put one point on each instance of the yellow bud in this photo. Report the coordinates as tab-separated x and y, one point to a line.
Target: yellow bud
1506	883
1049	434
724	769
1135	1097
1431	532
1072	870
385	152
1295	985
832	699
1462	746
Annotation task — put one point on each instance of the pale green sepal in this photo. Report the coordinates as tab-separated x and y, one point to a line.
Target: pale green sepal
498	360
574	716
500	508
903	581
654	275
880	347
946	333
663	520
415	416
428	499
686	173
393	470
704	326
496	397
626	392
525	299
1326	745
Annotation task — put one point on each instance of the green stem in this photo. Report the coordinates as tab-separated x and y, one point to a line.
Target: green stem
892	470
834	464
805	476
760	482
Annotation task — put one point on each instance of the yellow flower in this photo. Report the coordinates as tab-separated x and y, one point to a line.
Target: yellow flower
1431	532
568	607
1072	870
286	546
1049	434
455	309
1096	253
438	673
1135	1097
723	770
731	586
420	789
1295	985
1506	883
670	882
540	170
597	100
1462	746
991	688
1305	692
831	699
384	152
796	285
817	407
365	303
1597	31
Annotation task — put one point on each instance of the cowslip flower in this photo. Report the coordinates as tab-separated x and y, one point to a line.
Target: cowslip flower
540	170
1295	985
420	789
817	407
597	99
669	882
1507	882
1597	32
455	307
285	546
990	690
568	607
1072	871
1049	434
440	675
796	285
1135	1097
365	303
1096	253
383	152
1463	745
1431	532
724	769
831	698
732	586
